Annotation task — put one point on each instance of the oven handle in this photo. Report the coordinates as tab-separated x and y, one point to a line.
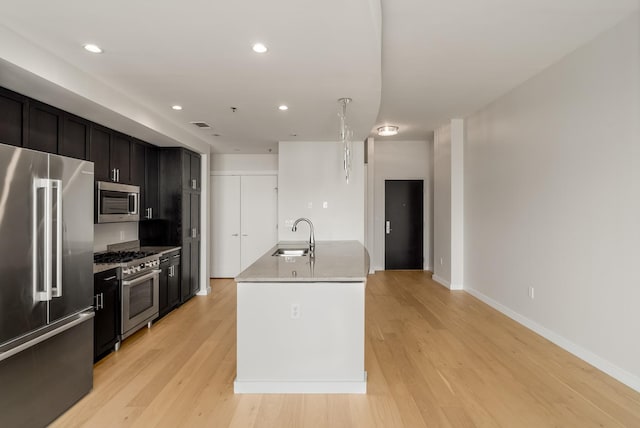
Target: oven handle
151	274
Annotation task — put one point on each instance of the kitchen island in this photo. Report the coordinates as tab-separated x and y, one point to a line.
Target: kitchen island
301	321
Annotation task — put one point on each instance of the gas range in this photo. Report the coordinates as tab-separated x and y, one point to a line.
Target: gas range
130	262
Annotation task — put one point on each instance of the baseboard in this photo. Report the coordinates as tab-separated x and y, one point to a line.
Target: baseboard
300	387
441	281
598	362
204	292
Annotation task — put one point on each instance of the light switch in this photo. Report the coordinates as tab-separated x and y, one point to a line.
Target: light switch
310	205
325	204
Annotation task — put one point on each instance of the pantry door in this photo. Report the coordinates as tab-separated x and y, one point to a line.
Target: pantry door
225	226
259	216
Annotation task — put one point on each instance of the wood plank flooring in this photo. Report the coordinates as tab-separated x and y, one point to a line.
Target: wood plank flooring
435	358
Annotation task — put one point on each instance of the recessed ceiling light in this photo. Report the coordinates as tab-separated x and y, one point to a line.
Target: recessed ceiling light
283	107
176	107
388	130
92	48
259	48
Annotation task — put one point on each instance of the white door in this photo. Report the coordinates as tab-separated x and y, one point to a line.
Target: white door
259	216
225	226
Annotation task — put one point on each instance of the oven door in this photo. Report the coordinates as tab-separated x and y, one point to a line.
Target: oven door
139	301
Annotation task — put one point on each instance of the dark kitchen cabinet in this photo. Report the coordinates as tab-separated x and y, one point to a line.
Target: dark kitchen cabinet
110	152
180	213
144	173
169	287
191	171
107	308
119	158
75	137
45	127
13	118
152	183
99	152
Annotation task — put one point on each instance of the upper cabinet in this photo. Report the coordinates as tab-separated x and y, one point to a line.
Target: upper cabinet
45	127
75	137
144	173
13	118
110	152
191	171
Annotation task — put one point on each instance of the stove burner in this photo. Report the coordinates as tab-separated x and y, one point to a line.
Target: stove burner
120	256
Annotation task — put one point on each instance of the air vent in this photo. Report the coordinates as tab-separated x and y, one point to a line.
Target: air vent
203	125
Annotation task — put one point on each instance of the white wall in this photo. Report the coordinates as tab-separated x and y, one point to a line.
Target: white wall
311	173
442	205
552	201
241	163
401	160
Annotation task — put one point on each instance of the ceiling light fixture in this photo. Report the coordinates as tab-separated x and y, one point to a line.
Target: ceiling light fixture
388	130
92	48
176	107
283	107
345	137
259	48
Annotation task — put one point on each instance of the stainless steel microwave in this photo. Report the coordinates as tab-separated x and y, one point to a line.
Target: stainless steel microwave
117	202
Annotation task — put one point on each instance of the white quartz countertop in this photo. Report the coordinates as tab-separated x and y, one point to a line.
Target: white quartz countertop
334	261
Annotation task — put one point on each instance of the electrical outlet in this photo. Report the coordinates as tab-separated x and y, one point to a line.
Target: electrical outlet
295	311
531	293
441	261
325	204
309	204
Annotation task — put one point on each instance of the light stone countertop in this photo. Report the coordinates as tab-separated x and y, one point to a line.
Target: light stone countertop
334	261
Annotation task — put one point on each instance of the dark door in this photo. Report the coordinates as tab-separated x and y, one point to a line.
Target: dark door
119	159
100	143
138	174
403	224
152	188
107	320
12	118
75	138
44	128
163	285
173	292
195	171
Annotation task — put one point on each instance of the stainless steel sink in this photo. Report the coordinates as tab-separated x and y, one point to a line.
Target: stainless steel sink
291	252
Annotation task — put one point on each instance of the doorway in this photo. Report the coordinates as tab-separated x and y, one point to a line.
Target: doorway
404	222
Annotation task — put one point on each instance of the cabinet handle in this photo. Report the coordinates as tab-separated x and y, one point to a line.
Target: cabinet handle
150	212
244	234
118	175
194	184
110	278
235	234
113	175
193	232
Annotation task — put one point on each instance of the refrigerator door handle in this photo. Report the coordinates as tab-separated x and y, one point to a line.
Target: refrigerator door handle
57	290
42	294
80	318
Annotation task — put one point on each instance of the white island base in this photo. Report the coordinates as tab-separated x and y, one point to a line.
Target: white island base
300	337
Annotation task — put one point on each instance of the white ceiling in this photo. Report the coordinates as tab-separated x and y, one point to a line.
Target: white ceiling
436	59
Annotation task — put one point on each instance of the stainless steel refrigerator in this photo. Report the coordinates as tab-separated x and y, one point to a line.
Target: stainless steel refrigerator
46	285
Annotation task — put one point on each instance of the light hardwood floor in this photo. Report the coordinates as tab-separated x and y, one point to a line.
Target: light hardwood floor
435	358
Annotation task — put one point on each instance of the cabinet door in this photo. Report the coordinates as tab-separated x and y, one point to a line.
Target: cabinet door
45	129
259	217
225	228
75	138
137	168
194	285
120	157
186	170
195	171
107	320
174	280
99	153
13	124
152	187
163	287
185	272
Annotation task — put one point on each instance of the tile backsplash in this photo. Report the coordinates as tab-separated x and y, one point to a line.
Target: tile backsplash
112	233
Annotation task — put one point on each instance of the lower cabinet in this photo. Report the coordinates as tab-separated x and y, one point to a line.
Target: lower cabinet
106	324
169	290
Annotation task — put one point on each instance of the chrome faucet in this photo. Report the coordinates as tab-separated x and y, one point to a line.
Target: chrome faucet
312	236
